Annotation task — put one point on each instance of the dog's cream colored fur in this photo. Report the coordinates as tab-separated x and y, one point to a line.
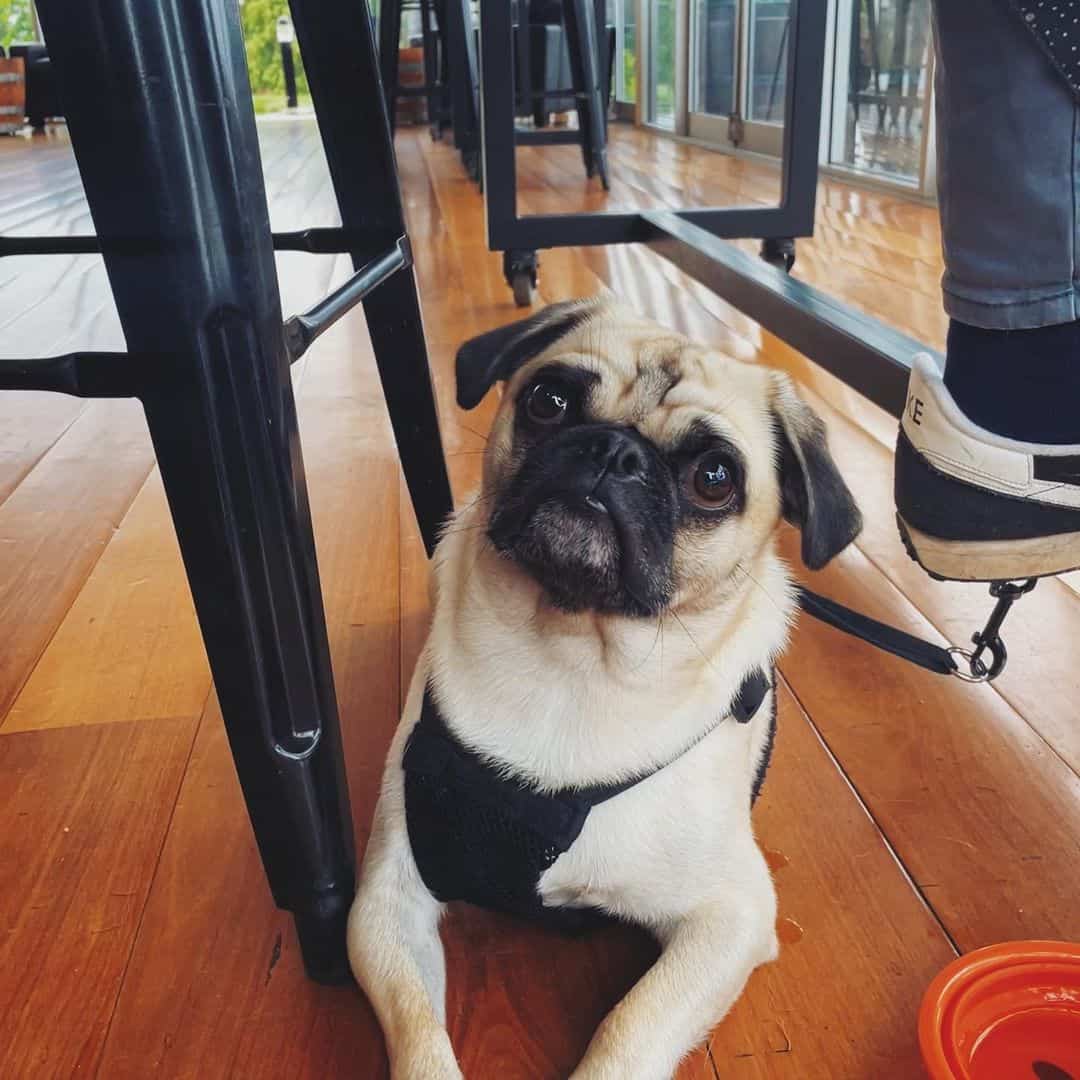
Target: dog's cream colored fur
582	698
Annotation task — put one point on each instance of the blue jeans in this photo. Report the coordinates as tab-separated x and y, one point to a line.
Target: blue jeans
1008	171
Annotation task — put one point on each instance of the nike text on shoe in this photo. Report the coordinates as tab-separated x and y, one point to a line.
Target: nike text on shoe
975	506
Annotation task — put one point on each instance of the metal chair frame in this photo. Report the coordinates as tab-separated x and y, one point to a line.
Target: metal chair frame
160	117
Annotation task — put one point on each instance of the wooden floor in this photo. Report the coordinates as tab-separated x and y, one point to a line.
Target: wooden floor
908	816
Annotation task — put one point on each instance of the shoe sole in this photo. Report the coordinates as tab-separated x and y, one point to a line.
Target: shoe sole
991	560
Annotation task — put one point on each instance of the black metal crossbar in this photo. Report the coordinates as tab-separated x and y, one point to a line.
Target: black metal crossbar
120	374
315	241
81	374
556	137
302	330
867	355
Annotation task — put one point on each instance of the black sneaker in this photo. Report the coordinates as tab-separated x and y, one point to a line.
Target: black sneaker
974	506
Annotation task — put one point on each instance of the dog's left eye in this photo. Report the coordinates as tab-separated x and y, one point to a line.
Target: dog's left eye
710	482
547	403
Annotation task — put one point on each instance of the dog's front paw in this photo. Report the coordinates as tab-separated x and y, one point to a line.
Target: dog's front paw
428	1058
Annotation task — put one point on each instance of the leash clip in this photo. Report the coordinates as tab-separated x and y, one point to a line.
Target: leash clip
988	639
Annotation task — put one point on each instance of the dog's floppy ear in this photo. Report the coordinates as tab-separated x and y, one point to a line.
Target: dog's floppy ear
815	498
484	360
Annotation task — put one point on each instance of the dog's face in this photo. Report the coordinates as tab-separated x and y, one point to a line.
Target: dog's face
631	472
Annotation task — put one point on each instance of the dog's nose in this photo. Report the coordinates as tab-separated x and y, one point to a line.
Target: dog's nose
616	454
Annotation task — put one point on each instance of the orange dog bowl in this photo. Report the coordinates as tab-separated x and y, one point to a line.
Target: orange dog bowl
1006	1012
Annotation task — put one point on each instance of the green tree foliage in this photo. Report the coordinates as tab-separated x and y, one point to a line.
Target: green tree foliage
16	22
259	19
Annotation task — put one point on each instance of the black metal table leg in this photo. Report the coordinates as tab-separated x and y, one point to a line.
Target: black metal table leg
159	111
389	39
583	41
464	84
443	67
523	67
339	57
431	66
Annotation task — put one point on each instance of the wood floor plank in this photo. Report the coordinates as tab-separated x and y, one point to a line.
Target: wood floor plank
85	812
129	648
55	525
28	430
982	813
842	894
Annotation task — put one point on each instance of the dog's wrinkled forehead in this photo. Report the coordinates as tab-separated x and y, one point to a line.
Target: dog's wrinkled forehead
654	379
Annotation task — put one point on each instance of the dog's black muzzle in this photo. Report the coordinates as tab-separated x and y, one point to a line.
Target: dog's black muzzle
591	514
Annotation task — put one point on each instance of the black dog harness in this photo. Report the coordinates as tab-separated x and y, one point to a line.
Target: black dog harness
485	838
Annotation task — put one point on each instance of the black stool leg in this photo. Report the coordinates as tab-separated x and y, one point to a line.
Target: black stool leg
522	47
464	84
389	39
582	39
159	110
431	65
444	66
339	57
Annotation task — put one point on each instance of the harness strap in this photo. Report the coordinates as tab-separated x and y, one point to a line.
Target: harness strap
432	739
743	709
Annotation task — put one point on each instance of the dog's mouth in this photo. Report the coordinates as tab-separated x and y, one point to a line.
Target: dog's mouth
587	551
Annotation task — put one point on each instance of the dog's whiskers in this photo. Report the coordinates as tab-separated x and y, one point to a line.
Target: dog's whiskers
740	568
652	648
464	528
694	642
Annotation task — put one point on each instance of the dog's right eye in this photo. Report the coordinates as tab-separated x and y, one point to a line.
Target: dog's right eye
547	403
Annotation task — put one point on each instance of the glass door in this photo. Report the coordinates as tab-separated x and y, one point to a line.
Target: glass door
768	34
883	72
716	70
622	14
730	89
661	93
714	48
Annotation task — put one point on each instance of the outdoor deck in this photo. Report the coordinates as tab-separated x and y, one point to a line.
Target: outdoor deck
908	816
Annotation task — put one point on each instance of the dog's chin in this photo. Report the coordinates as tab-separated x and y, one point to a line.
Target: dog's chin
575	556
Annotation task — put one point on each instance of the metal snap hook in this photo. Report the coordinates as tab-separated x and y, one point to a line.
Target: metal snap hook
989	638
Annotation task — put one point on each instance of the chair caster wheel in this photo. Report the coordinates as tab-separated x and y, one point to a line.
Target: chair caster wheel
779	252
521	270
524	290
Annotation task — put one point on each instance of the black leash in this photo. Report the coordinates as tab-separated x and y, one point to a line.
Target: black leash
936	658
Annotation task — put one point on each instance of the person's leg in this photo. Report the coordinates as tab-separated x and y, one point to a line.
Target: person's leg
987	463
1007	178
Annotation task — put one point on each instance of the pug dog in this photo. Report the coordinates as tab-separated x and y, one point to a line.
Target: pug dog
593	710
